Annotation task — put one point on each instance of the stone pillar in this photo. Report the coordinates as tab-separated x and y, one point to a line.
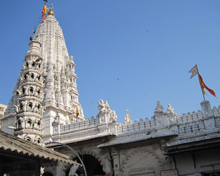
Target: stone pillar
206	109
116	163
208	116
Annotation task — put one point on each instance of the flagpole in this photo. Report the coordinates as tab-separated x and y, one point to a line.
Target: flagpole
200	83
195	71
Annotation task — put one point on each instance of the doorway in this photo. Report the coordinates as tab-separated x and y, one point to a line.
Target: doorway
92	165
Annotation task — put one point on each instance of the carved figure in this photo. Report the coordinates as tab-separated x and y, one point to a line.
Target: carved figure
107	107
159	107
73	170
23	106
101	106
170	109
24	90
113	116
20	123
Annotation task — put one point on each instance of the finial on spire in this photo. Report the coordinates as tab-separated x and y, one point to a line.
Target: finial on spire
50	12
128	116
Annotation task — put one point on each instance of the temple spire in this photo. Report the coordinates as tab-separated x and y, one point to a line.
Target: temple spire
58	88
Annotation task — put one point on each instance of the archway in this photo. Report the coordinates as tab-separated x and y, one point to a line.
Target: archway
93	166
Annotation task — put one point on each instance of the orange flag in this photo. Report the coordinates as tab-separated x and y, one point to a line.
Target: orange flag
44	11
77	112
202	84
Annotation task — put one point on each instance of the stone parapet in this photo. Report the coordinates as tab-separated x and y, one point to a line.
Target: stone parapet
188	125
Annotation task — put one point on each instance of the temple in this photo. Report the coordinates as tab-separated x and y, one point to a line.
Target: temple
45	110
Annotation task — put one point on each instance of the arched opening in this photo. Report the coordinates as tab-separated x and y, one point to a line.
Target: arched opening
39	141
21	106
33	64
29	123
30	105
92	165
28	138
38	124
32	75
38	91
23	90
19	124
31	89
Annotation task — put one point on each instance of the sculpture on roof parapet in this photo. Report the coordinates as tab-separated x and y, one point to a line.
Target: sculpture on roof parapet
170	109
101	106
105	114
159	108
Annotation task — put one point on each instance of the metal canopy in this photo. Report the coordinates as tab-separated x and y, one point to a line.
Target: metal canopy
15	151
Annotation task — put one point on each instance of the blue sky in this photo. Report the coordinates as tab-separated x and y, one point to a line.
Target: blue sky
128	52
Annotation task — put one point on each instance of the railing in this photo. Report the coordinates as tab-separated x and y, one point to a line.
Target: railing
187	123
80	125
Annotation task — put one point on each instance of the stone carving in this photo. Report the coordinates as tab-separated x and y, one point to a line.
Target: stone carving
24	106
20	123
105	113
101	106
57	118
73	170
144	156
170	109
113	117
41	171
159	108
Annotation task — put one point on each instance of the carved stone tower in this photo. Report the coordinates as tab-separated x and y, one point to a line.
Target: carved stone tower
59	90
29	94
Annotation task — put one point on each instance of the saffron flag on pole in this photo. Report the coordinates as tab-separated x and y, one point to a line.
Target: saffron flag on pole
77	112
44	11
195	71
203	85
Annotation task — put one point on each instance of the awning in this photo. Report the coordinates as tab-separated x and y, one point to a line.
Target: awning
193	146
10	144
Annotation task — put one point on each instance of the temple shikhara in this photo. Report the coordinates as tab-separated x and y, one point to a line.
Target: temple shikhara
45	110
